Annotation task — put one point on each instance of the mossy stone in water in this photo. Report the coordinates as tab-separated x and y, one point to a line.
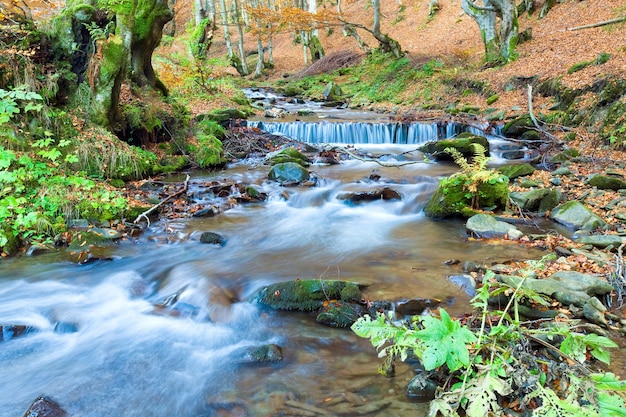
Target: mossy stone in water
289	154
306	295
462	143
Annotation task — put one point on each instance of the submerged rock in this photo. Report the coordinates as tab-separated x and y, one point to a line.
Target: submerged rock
11	331
45	407
420	388
264	354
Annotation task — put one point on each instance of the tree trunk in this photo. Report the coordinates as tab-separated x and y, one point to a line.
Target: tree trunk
499	44
150	17
224	14
241	66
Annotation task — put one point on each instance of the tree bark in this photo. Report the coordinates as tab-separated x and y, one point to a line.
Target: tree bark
499	43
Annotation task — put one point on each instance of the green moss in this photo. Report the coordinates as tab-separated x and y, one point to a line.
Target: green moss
305	295
492	99
580	66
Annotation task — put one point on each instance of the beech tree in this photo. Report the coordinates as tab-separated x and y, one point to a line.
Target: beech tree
109	43
499	42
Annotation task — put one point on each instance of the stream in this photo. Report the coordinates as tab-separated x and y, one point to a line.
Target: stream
99	348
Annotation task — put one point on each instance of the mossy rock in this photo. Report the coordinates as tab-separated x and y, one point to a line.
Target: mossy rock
566	155
577	216
516	170
340	314
607	182
308	294
13	242
289	154
515	128
452	198
463	143
288	173
223	115
540	200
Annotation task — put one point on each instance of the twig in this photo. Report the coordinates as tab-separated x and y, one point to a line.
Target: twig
151	209
534	119
595	25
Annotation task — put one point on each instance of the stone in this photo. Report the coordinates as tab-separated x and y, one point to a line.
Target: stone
607	182
288	173
212	238
288	154
274	113
540	200
568	287
332	92
420	388
601	241
11	331
359	197
465	282
269	353
575	215
305	295
487	226
45	407
462	143
516	170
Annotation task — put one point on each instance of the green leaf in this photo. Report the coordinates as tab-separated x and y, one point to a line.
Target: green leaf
608	381
611	405
481	394
445	342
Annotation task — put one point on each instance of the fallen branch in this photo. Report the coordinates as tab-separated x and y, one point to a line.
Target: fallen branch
151	209
534	119
595	25
362	159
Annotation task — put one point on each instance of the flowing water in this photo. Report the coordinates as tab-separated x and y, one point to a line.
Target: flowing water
100	349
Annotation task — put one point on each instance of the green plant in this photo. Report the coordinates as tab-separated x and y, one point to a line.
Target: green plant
487	361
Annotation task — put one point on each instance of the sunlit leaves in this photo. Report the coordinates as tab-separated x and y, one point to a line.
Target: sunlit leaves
576	345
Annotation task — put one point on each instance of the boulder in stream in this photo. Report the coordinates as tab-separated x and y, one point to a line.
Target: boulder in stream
487	226
212	238
288	173
45	407
11	331
464	143
307	294
362	196
540	200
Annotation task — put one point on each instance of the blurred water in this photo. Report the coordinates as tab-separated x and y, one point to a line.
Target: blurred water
119	358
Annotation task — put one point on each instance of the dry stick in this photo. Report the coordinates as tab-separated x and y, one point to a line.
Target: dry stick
150	210
595	25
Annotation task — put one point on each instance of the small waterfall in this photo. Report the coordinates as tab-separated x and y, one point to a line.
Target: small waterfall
365	132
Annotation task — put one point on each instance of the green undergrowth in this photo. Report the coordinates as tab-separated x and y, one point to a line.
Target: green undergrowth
492	363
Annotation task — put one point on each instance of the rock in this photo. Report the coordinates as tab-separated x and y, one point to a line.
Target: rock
577	216
607	182
515	128
288	154
601	241
64	327
340	314
332	92
212	238
222	115
568	287
205	212
264	354
45	407
359	197
516	170
306	295
593	310
274	113
36	250
415	306
420	388
94	236
463	143
288	173
11	331
465	282
487	226
562	172
540	200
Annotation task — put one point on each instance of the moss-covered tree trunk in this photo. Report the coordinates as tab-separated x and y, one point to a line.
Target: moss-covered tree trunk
108	44
499	44
149	18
